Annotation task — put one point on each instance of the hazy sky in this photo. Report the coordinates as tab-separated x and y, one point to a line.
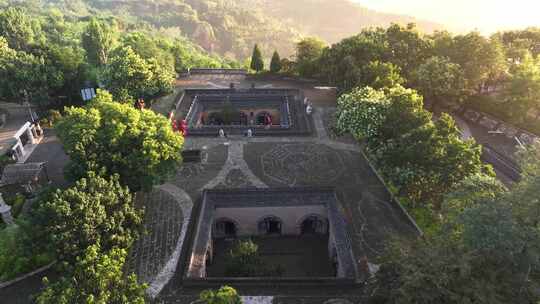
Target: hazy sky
484	15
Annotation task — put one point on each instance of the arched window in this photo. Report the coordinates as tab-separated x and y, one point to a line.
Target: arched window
314	224
225	228
270	225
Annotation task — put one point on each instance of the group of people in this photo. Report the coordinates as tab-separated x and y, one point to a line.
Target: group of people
179	125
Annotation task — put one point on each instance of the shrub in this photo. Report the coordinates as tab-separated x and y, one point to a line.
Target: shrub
17	256
244	261
225	295
54	116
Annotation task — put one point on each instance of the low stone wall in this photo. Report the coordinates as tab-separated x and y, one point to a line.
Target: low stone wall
320	282
494	124
217	71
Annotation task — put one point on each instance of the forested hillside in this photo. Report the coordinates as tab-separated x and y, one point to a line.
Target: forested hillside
232	27
49	52
332	20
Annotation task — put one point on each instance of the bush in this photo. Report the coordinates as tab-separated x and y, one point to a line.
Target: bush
244	261
5	160
17	204
16	254
54	116
225	295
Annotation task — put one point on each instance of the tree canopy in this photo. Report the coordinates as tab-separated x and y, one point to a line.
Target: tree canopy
139	145
308	52
98	277
17	28
95	210
440	81
487	251
129	76
423	159
98	41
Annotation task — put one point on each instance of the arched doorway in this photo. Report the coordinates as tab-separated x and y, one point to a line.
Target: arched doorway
225	228
314	224
264	118
270	225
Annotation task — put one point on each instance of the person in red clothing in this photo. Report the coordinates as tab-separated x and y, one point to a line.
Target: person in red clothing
267	121
183	128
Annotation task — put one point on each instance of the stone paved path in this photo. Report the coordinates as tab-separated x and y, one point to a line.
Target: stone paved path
154	256
235	163
167	272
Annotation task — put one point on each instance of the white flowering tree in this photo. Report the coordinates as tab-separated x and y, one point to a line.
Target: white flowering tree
361	112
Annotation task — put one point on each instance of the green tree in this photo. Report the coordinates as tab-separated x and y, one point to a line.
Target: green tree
243	260
380	75
25	75
138	145
444	270
97	277
440	81
308	52
16	27
522	91
481	59
257	63
473	190
486	253
407	48
520	42
98	41
129	76
19	251
275	63
93	211
224	295
422	159
361	112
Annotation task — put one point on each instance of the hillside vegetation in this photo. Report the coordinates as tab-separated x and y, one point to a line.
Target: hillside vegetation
332	20
232	27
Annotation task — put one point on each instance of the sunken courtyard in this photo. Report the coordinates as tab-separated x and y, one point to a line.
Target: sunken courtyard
310	203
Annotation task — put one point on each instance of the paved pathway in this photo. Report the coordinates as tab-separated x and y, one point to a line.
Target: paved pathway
235	161
167	272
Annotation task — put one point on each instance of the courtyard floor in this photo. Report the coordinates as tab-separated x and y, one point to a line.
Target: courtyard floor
322	159
297	256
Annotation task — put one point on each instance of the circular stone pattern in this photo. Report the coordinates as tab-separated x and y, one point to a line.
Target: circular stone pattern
162	224
302	164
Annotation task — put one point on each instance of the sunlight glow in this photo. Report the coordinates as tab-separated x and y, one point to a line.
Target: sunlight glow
485	15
